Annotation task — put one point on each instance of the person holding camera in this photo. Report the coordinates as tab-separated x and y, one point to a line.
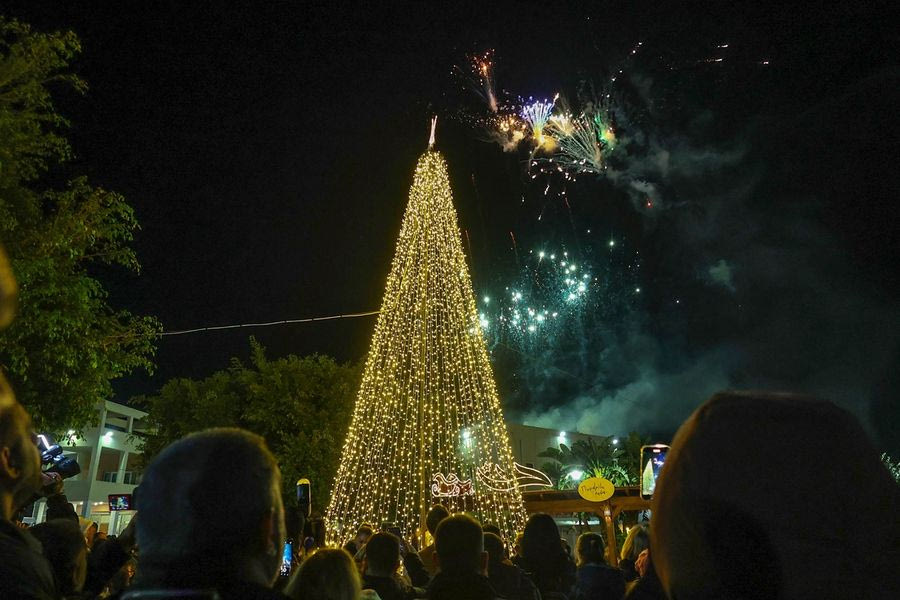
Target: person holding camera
24	572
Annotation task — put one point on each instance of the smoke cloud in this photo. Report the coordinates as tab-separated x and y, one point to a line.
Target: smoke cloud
748	288
720	273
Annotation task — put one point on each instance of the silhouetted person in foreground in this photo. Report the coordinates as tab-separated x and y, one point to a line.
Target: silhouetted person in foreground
545	559
66	551
461	561
775	496
24	573
380	568
646	585
328	574
363	533
508	580
223	488
436	514
59	507
637	540
595	580
107	558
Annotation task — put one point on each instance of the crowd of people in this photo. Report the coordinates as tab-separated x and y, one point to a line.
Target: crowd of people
762	496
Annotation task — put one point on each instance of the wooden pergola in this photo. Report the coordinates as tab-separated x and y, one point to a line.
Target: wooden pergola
564	502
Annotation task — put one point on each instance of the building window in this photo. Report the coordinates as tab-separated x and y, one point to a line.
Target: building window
128	478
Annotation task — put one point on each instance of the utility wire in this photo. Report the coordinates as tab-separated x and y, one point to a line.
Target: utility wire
270	323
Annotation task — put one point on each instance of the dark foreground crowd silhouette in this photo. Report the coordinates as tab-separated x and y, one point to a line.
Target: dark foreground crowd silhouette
762	496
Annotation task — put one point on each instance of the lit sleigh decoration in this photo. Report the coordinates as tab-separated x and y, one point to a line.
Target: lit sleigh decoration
528	477
493	477
450	486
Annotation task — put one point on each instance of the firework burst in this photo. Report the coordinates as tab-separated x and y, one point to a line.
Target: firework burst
508	131
583	141
561	125
552	296
537	114
552	289
485	67
479	77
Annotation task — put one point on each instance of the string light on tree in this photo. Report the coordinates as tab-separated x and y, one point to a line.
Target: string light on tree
427	416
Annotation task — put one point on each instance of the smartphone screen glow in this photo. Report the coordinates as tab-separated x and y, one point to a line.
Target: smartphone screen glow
652	460
287	557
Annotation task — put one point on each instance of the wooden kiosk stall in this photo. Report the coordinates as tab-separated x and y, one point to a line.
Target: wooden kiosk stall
562	502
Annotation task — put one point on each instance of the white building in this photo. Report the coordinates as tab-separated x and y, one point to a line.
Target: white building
527	442
110	461
110	464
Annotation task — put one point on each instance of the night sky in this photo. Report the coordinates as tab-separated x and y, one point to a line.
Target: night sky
268	150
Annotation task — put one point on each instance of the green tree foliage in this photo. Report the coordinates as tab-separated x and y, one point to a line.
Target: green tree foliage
617	462
66	342
31	63
300	405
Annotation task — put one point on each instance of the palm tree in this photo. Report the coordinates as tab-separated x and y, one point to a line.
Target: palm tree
594	457
563	462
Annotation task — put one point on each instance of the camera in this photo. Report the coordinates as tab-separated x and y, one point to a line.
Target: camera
52	454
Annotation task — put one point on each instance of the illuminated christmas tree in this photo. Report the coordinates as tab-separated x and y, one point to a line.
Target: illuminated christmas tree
427	427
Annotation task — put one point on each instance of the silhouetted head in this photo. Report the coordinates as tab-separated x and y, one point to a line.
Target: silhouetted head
66	551
363	533
493	545
459	545
329	574
20	461
382	554
210	504
773	495
436	514
637	540
541	540
590	549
